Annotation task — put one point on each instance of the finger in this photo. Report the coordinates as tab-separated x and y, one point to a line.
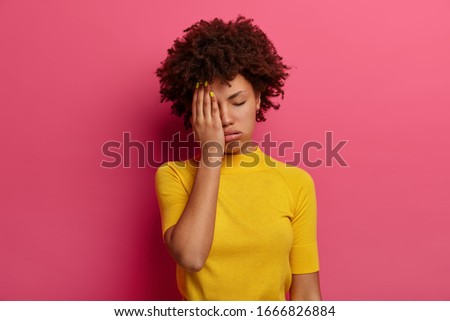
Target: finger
200	98
215	114
194	104
207	102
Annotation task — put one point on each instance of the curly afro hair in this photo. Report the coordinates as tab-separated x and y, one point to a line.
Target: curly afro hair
216	49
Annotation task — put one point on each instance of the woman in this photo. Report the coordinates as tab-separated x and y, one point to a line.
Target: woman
239	224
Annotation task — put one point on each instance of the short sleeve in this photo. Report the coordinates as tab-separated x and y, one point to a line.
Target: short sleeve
171	194
304	256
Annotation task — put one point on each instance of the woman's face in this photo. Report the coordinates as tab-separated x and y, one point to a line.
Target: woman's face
238	105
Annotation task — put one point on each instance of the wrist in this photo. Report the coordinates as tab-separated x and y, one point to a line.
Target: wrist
212	154
211	162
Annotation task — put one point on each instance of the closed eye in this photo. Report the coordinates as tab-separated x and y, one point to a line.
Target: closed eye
240	104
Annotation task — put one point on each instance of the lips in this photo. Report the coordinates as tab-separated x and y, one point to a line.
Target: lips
232	135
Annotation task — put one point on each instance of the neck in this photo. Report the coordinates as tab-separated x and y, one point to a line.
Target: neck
249	147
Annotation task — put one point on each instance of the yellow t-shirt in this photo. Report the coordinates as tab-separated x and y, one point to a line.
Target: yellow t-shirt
265	228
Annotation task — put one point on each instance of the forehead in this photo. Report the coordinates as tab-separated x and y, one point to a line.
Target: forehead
238	83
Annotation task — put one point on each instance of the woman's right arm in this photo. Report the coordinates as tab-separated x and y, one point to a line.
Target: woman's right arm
189	240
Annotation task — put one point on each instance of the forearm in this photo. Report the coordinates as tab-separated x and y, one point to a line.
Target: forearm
311	296
305	287
191	238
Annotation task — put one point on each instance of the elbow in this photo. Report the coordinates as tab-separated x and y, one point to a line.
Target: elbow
193	268
187	260
191	264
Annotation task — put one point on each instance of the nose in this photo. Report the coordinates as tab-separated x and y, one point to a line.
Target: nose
226	115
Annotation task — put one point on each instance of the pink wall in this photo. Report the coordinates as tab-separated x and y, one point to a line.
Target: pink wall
74	75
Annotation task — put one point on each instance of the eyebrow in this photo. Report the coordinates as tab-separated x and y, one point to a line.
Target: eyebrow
235	94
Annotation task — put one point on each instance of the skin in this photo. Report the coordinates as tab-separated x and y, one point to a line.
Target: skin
189	241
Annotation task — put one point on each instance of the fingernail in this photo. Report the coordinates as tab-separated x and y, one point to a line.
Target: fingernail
197	85
206	83
211	94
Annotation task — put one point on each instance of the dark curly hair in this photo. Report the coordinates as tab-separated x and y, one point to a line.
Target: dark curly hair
221	50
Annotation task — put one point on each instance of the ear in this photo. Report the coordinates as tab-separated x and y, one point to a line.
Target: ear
258	101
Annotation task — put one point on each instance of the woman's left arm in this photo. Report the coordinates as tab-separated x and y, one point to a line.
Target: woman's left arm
305	287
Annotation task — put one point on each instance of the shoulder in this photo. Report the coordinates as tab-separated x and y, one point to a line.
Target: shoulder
298	181
294	176
300	175
170	165
179	166
180	171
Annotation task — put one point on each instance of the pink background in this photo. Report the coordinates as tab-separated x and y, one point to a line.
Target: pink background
76	74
